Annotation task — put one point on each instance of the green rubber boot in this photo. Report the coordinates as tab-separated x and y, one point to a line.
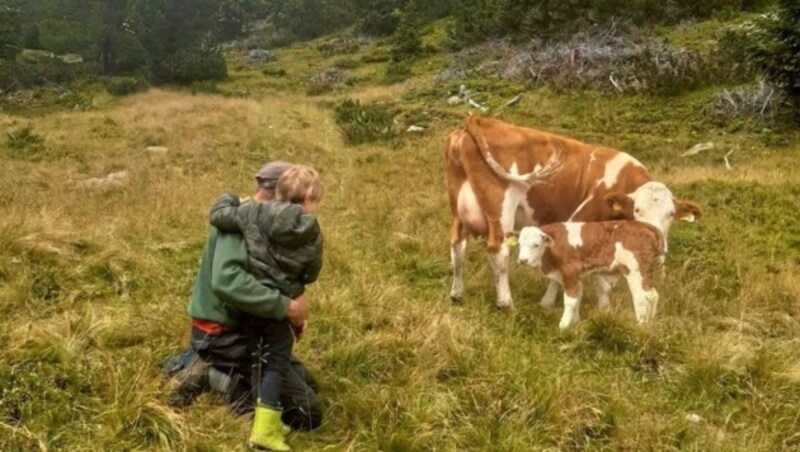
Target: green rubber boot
268	432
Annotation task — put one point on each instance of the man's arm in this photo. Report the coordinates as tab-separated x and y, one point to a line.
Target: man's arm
234	285
228	215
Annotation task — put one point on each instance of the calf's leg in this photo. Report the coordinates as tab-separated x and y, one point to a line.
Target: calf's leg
603	285
573	290
645	301
549	298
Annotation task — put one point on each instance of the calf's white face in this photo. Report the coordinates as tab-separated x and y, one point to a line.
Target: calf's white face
532	245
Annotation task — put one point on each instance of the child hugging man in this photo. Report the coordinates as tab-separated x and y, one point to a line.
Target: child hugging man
284	247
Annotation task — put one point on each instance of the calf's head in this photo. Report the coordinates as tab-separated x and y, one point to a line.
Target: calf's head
652	203
532	245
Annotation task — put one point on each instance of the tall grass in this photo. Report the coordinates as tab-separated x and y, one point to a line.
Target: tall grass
94	283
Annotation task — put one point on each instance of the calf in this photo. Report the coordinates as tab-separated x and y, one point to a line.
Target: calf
567	251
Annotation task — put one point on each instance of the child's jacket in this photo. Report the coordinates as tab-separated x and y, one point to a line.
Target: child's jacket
284	245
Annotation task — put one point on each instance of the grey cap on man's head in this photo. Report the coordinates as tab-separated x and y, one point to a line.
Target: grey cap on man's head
267	177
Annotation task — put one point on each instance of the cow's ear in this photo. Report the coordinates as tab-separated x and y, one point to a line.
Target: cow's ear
687	211
621	205
548	241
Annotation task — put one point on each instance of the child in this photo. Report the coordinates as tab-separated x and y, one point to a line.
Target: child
284	247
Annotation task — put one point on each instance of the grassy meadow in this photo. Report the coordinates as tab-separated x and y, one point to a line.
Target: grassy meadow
94	281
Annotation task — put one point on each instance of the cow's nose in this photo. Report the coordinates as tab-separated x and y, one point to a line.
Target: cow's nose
522	260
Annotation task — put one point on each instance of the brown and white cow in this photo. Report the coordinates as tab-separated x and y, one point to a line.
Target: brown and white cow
566	252
501	177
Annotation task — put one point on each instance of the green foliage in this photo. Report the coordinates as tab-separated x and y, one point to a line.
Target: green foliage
31	39
406	42
9	30
364	123
338	46
380	19
18	74
777	51
274	72
478	20
123	86
397	72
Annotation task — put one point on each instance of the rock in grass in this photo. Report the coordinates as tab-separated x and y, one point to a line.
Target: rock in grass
115	179
156	150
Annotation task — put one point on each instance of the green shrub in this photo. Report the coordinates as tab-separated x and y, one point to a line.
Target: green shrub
189	66
24	142
123	86
363	123
406	42
274	72
777	51
338	46
397	72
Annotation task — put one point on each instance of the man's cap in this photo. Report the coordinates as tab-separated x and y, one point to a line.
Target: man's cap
267	177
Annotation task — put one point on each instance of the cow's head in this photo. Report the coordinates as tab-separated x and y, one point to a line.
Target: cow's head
532	245
652	203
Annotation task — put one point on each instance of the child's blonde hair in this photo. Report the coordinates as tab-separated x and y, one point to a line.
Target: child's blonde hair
298	184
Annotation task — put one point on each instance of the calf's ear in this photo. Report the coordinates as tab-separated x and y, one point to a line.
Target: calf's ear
687	211
621	205
548	241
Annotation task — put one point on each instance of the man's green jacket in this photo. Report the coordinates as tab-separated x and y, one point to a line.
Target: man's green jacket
224	287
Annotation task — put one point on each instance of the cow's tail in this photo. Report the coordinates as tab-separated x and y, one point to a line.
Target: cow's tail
538	175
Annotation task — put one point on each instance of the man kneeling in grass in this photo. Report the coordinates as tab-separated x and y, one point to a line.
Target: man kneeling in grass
223	354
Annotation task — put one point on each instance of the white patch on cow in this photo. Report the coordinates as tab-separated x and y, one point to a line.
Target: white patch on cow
644	301
580	207
513	201
614	167
499	263
457	252
574	234
469	211
572	307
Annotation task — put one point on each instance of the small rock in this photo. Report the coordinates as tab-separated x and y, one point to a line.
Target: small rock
156	149
698	148
71	58
694	418
113	179
414	128
260	56
453	100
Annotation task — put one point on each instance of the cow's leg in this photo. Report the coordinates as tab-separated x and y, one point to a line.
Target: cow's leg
573	291
499	262
603	285
549	298
458	247
498	258
644	300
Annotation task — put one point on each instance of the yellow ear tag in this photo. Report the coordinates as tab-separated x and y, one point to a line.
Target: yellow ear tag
617	207
512	241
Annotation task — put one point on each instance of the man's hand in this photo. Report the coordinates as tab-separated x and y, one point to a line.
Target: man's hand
299	331
297	313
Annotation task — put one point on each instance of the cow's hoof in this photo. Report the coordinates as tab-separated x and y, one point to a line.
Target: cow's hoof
456	299
505	307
